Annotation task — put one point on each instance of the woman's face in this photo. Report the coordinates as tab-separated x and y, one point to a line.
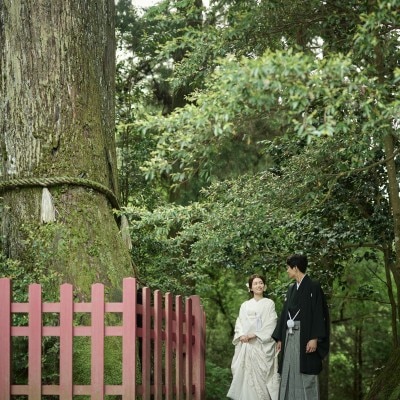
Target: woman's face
257	286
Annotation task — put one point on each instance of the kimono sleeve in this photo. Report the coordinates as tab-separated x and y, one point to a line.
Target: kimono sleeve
321	323
318	326
268	321
239	328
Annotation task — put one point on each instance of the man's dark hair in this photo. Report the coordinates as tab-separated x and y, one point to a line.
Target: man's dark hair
298	260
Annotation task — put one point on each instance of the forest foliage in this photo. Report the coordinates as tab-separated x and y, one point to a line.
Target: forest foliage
249	130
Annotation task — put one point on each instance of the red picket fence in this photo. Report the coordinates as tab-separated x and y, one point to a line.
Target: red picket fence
172	336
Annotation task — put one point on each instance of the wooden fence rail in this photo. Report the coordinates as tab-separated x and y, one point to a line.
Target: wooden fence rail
163	338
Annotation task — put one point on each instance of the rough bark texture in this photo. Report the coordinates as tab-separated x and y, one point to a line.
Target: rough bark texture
387	384
393	190
57	119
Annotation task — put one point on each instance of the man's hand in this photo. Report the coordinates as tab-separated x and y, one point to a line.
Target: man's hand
311	346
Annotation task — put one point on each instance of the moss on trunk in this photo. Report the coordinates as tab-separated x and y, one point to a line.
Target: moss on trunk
387	384
57	119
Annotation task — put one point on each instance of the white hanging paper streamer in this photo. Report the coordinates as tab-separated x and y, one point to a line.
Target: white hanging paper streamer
126	237
48	211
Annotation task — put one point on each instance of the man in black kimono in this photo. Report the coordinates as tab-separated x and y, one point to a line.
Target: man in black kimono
302	334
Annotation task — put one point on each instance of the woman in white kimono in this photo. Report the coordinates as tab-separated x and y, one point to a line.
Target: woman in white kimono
254	364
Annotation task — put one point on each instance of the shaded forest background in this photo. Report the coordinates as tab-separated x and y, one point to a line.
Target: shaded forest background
249	130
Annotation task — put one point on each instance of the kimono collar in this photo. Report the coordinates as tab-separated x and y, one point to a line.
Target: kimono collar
299	283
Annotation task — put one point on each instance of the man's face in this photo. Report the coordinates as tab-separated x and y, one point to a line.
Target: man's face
291	272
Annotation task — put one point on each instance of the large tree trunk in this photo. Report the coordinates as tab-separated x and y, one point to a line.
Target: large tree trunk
387	384
57	120
393	190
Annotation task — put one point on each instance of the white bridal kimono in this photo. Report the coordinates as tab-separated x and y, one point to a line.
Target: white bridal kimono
255	364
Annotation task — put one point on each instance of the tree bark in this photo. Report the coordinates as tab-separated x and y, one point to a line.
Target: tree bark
387	383
394	199
393	305
357	361
57	120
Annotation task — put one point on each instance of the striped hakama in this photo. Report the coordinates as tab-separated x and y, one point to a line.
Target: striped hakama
295	385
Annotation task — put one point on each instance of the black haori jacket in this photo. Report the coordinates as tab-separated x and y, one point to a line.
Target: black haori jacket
314	324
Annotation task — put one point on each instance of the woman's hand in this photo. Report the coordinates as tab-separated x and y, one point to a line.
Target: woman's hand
247	338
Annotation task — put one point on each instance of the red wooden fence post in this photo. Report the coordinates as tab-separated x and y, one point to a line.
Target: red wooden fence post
98	328
168	347
66	341
146	341
35	342
188	349
5	339
158	316
129	339
199	349
179	347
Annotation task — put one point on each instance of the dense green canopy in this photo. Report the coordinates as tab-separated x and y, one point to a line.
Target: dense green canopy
263	128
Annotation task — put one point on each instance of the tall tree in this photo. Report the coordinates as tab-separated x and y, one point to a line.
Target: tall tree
58	158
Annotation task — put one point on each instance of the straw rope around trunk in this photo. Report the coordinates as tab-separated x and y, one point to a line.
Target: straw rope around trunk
11	184
47	206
